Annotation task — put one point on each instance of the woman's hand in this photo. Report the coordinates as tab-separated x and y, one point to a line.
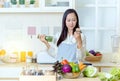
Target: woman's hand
42	38
77	36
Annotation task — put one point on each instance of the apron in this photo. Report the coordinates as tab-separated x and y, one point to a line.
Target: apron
67	51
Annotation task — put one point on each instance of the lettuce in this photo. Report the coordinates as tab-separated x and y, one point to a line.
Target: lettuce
104	76
115	72
90	71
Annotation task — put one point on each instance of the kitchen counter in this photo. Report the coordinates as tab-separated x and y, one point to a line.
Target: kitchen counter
11	71
99	65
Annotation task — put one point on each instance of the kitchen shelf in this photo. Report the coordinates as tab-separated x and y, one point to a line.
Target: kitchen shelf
43	6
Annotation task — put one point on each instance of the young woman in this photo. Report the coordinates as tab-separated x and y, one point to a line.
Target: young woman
70	43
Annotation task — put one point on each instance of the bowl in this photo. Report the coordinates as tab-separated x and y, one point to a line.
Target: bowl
71	75
93	58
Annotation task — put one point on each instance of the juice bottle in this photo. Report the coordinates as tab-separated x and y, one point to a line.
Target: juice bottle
30	53
23	56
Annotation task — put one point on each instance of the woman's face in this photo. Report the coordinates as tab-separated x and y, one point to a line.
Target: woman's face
71	21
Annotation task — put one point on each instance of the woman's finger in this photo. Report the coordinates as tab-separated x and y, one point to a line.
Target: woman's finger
78	29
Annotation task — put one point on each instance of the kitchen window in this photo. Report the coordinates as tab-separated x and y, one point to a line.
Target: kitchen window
99	20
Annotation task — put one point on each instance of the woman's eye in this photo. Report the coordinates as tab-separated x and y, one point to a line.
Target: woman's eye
68	20
74	20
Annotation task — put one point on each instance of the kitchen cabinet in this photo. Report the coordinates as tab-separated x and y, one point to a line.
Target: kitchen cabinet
12	71
40	6
99	20
52	78
9	73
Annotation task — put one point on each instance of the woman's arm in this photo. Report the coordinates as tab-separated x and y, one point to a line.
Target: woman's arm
51	47
42	38
77	35
81	51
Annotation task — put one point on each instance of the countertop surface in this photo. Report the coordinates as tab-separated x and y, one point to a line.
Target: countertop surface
20	64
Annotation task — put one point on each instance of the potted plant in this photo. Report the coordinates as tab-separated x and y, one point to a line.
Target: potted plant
13	3
32	2
22	3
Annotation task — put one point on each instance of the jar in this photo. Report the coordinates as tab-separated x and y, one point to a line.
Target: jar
115	43
115	57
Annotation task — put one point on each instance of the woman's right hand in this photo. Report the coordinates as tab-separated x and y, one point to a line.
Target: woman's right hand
42	38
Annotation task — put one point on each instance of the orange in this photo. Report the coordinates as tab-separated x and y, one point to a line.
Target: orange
2	52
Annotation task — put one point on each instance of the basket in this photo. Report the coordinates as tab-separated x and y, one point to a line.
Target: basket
71	75
93	58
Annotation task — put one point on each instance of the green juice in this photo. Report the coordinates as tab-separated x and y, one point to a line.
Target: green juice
49	38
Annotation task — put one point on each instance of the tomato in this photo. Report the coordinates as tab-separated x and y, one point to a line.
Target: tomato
98	54
64	61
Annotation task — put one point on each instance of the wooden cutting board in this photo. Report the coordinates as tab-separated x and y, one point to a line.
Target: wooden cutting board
81	79
53	78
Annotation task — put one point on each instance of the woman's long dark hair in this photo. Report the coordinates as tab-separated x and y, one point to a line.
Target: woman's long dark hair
64	31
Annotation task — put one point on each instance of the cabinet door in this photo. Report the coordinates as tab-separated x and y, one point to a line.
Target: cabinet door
10	73
57	5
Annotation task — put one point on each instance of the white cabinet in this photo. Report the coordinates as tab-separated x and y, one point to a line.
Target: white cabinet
41	6
10	73
99	20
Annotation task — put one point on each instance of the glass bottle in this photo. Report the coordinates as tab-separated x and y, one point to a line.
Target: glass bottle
115	48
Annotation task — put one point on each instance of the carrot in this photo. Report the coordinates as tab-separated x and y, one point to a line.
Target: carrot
80	64
82	67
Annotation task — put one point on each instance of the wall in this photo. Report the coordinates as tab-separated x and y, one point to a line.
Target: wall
13	30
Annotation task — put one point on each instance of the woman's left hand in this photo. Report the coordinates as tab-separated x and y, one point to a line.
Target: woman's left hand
77	35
